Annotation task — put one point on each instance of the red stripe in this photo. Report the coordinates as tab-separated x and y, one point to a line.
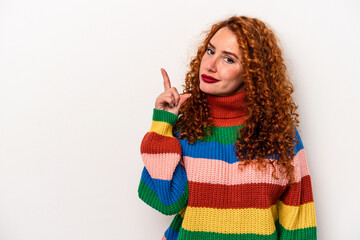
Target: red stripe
219	122
299	194
252	195
155	143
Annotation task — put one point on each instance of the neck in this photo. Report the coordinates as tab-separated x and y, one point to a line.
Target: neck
229	110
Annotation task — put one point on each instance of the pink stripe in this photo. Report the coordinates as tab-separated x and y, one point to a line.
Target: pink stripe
219	172
301	159
162	165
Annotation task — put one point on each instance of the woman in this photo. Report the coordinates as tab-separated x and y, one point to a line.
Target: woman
225	156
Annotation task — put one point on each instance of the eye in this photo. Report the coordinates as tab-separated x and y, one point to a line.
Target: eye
209	51
229	60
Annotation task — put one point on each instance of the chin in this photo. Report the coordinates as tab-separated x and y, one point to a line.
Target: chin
207	89
210	91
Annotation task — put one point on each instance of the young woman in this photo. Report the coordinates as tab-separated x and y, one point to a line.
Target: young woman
225	156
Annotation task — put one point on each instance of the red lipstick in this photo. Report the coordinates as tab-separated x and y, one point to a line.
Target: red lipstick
208	79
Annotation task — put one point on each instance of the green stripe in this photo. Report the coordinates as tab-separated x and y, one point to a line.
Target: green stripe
176	222
189	235
223	135
164	116
305	233
149	197
280	233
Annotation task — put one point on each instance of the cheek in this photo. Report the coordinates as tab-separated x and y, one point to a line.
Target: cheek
231	74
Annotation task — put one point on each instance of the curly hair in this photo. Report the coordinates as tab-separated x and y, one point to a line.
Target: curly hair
269	128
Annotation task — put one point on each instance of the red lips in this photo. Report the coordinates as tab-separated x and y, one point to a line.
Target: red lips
208	79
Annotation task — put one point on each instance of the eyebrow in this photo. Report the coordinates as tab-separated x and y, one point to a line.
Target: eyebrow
226	52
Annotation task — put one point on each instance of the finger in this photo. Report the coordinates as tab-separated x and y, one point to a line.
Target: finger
170	101
167	84
183	98
169	93
176	95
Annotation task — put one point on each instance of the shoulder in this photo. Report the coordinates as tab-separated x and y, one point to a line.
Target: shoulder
298	142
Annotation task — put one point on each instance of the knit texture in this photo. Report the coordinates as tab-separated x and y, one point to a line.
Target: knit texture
212	199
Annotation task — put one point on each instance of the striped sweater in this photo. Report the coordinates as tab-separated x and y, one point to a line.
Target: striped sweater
212	199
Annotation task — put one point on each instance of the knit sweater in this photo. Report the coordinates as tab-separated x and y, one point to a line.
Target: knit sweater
211	197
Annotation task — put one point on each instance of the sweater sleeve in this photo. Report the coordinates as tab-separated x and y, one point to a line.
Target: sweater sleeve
296	207
163	184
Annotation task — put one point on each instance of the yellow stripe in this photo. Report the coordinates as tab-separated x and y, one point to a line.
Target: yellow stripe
162	128
292	218
235	221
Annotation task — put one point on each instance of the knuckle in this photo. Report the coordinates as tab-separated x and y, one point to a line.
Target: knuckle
175	92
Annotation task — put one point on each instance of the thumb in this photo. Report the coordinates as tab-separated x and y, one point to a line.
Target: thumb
183	98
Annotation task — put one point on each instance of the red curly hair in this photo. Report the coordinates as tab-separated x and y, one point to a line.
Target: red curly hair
269	128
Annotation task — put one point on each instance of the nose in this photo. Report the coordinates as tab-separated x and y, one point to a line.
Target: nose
212	64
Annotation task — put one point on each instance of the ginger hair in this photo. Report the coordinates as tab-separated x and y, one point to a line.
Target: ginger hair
269	127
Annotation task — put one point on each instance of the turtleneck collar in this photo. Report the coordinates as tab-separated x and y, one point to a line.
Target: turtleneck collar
229	110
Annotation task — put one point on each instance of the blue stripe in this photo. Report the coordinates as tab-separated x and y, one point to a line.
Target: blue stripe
215	150
167	191
209	150
171	234
299	146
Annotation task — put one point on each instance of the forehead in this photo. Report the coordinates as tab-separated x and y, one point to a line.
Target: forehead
225	40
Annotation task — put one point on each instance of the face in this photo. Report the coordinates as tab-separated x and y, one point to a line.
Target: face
220	67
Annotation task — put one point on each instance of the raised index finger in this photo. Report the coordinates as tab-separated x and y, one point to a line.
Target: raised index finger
167	84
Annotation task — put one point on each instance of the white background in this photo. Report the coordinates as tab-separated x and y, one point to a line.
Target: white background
78	82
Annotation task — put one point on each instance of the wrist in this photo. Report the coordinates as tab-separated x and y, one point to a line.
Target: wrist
164	116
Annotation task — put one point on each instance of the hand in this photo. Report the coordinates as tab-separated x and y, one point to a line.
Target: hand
170	100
